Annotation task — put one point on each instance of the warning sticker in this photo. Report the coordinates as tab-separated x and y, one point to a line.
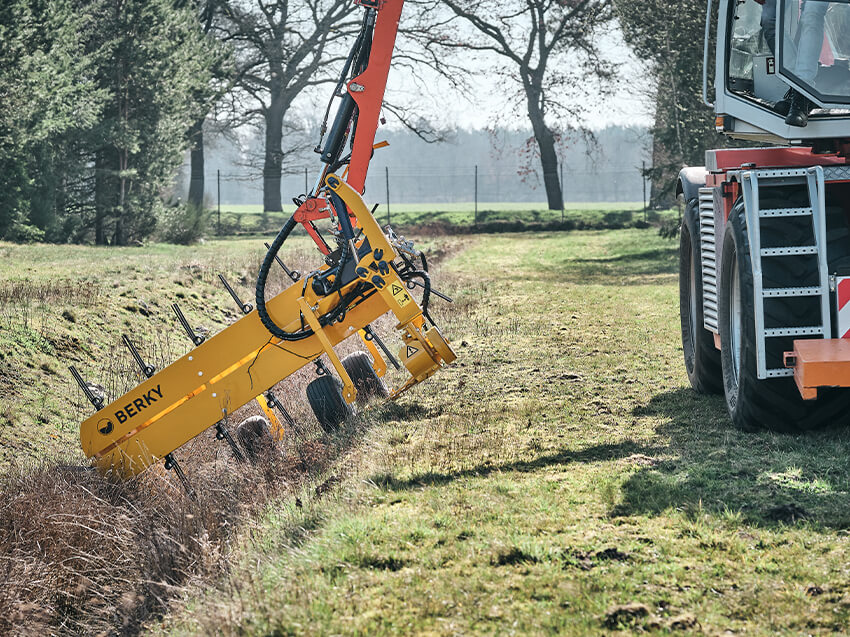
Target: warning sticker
400	294
411	350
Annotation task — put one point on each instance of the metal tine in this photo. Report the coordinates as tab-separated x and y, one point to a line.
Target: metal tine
245	308
147	370
292	274
411	284
221	433
195	338
372	336
171	463
94	400
273	402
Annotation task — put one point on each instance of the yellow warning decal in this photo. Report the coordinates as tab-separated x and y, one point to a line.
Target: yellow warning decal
400	294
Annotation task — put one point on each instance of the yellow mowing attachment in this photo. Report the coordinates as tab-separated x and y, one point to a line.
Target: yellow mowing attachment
244	362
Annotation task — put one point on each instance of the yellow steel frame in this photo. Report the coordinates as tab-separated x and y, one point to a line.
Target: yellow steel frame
243	361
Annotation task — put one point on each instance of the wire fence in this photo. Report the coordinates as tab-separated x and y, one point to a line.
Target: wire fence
431	187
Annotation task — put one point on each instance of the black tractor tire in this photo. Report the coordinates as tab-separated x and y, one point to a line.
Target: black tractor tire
772	403
367	383
702	358
325	397
254	435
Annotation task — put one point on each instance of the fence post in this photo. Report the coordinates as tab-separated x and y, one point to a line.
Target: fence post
387	173
562	190
218	183
306	182
476	194
643	180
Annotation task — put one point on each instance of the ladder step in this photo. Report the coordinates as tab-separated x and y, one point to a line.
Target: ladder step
781	173
793	331
779	373
788	252
786	212
786	292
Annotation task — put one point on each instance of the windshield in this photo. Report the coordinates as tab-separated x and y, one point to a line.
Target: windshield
751	70
814	47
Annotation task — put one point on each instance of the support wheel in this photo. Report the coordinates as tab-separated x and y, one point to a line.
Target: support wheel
325	397
367	383
702	359
254	435
772	403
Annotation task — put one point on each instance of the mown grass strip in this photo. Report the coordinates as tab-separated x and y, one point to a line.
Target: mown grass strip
560	478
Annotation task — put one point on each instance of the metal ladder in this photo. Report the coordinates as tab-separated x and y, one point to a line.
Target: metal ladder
813	177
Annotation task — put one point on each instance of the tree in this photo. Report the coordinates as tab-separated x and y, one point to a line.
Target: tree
281	49
97	96
48	97
206	11
157	74
545	49
669	37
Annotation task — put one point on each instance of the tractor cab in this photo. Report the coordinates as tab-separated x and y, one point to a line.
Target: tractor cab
766	47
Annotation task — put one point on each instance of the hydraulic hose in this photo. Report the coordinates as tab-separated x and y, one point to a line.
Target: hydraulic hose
263	276
426	290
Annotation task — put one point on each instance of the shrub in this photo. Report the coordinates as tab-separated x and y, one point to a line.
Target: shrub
182	224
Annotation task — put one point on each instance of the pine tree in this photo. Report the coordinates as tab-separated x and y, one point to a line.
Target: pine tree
158	79
95	100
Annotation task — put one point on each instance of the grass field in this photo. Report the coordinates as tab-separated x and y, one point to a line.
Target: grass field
455	217
559	478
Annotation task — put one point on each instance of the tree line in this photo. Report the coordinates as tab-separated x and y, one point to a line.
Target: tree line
100	99
96	100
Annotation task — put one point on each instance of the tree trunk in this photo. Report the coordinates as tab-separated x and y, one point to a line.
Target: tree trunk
661	193
274	156
101	188
548	156
122	164
196	179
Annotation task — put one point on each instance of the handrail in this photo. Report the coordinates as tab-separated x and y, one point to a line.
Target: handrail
705	55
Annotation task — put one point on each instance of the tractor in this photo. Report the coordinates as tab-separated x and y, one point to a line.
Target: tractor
364	272
765	238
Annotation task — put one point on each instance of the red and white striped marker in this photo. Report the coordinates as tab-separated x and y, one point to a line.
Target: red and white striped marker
843	300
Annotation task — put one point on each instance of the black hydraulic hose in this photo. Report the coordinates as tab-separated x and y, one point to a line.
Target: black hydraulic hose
347	110
343	257
263	276
353	54
344	219
426	293
275	247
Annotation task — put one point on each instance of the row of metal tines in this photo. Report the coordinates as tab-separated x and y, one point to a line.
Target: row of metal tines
197	339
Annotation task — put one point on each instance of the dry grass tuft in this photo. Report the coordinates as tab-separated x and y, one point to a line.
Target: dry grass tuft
82	553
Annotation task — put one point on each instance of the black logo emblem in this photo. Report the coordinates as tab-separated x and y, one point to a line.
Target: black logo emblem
105	426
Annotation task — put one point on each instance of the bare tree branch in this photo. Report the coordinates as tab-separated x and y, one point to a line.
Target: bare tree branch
552	51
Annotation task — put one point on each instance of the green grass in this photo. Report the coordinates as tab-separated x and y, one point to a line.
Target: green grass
246	219
561	469
560	478
64	305
469	207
